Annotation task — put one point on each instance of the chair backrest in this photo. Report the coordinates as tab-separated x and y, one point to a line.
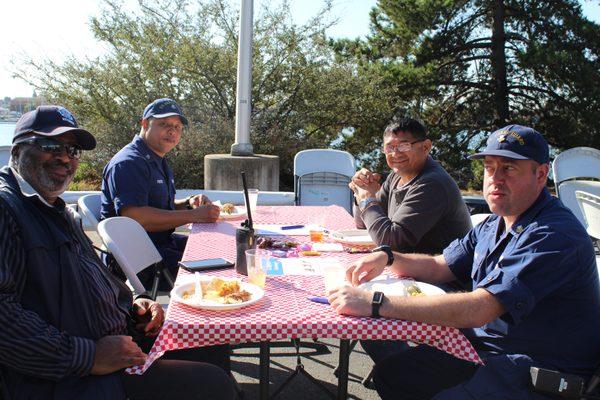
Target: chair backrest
4	155
590	207
89	208
321	177
578	162
566	194
570	169
131	246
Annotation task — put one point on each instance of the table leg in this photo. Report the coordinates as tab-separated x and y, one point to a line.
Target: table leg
263	373
342	391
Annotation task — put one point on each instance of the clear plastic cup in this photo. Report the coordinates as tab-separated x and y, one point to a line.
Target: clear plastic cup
253	198
257	267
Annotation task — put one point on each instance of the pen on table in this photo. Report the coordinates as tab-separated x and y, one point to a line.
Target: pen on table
318	299
283	228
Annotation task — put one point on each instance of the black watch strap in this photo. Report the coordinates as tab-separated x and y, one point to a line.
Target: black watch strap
376	304
387	250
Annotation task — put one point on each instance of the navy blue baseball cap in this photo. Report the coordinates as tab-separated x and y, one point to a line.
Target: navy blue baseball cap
51	121
517	142
163	108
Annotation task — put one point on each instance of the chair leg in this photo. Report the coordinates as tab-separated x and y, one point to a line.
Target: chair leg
155	282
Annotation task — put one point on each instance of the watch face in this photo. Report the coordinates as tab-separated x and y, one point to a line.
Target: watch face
377	298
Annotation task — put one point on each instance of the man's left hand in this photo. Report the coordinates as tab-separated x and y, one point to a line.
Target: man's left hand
148	315
199	200
349	300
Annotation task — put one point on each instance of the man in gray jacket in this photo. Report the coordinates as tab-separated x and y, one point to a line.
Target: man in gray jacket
419	208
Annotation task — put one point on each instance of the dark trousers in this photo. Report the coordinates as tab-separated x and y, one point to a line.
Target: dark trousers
180	379
171	252
424	372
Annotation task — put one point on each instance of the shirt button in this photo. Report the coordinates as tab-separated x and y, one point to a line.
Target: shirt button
519	305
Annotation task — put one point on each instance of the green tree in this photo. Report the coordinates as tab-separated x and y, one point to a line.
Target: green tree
466	67
302	97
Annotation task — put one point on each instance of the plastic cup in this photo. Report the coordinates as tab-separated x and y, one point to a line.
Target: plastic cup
257	274
316	234
253	198
334	275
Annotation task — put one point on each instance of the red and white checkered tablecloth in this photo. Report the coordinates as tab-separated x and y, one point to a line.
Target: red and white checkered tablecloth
284	312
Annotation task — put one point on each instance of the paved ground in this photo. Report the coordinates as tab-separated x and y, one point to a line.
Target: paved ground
320	364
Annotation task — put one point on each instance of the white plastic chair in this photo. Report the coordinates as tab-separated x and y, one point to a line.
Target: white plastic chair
4	155
321	177
590	207
89	208
476	219
570	169
131	246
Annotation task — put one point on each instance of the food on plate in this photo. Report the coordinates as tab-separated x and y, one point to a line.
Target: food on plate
414	290
228	208
221	291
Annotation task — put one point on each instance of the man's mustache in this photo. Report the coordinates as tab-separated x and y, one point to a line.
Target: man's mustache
59	163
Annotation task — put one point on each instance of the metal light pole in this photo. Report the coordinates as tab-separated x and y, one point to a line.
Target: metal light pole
242	145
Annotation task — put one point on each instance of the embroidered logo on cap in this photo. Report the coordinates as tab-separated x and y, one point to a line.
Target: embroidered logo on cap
66	115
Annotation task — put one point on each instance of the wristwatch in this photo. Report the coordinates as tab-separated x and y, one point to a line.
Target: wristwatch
387	250
376	304
364	203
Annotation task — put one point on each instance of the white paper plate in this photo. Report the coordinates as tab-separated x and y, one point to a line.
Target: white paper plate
177	294
239	212
397	287
353	237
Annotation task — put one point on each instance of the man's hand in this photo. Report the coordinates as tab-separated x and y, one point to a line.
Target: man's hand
208	213
365	178
350	300
199	200
366	268
114	353
148	315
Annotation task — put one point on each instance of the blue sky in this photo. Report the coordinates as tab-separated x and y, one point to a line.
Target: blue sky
59	28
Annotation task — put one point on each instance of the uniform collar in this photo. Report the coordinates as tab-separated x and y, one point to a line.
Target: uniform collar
28	191
146	151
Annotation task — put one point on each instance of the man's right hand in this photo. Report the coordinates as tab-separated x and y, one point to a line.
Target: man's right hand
366	268
114	353
207	213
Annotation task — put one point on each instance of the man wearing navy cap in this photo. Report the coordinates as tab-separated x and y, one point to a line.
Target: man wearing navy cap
138	183
66	324
535	298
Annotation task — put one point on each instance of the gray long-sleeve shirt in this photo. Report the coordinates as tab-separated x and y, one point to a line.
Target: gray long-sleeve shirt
421	216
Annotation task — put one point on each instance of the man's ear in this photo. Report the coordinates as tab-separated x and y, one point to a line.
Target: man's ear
15	151
542	173
427	145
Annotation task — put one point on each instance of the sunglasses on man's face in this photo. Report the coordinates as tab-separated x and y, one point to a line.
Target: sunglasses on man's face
55	147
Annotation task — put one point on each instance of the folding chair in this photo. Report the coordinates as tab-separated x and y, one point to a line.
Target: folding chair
321	177
131	246
570	169
89	208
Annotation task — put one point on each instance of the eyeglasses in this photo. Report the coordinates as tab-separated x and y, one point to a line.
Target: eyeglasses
402	147
167	126
55	147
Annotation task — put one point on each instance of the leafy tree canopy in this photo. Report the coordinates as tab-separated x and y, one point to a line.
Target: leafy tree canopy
302	97
466	67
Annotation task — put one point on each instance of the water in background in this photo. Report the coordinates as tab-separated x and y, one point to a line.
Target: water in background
6	133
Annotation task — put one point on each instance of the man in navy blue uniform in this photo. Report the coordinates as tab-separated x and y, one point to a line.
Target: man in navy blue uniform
535	298
138	183
68	327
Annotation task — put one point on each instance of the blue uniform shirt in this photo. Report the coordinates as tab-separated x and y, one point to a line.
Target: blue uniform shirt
543	271
137	176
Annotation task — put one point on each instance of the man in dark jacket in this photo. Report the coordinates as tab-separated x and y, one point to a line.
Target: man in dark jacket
66	324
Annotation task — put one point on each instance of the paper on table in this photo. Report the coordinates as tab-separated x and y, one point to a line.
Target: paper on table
275	230
296	266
